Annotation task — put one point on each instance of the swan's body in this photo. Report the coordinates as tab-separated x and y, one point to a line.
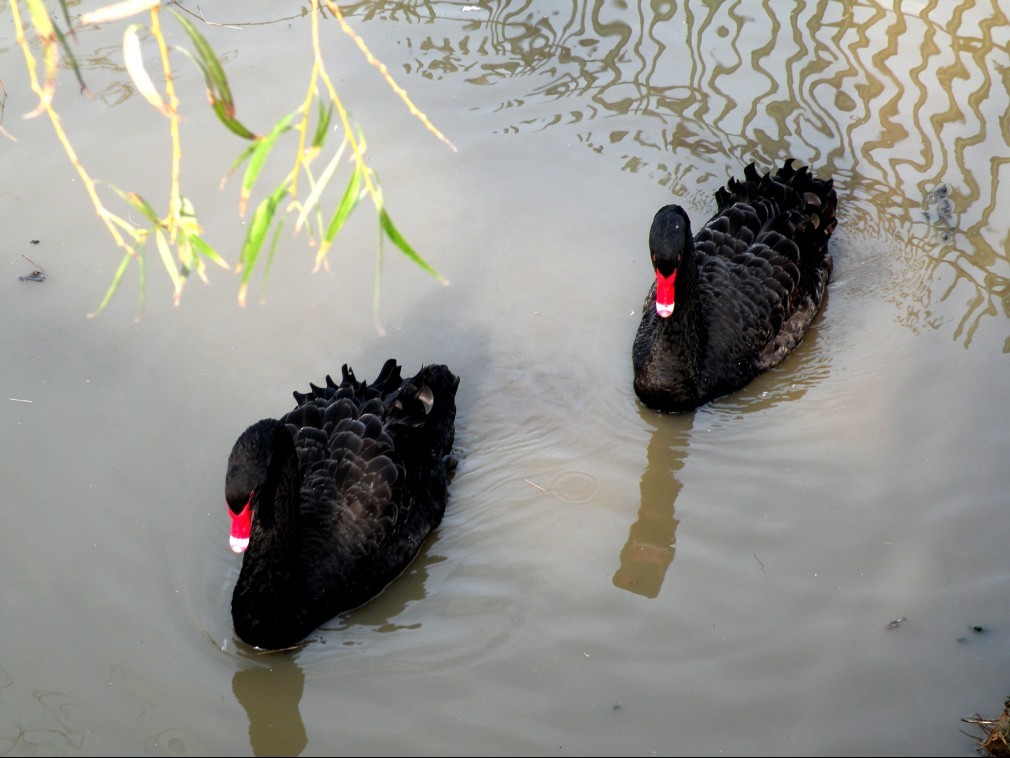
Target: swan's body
734	300
336	497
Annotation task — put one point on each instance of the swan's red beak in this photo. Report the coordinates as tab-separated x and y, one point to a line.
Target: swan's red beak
241	525
664	293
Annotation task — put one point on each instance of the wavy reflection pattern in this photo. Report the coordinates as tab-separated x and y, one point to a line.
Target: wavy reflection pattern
892	99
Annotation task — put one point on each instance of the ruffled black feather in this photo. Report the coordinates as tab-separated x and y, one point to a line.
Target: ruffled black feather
748	286
345	488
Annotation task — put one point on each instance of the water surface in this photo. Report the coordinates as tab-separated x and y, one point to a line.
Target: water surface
607	580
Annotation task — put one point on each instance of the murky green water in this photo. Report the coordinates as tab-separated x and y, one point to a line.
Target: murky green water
607	580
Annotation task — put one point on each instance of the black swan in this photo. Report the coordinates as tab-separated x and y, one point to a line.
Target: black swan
735	299
333	501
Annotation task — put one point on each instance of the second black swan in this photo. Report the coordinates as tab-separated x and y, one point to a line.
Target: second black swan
332	501
735	299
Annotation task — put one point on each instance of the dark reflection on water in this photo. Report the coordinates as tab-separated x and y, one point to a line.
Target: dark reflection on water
652	539
270	690
381	611
270	686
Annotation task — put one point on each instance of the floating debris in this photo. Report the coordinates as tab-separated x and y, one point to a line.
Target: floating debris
941	211
38	275
997	732
937	194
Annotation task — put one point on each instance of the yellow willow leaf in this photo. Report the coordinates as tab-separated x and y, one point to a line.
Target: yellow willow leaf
40	19
117	11
135	67
44	28
313	198
166	258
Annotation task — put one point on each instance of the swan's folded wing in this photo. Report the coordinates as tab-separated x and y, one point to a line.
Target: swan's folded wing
350	485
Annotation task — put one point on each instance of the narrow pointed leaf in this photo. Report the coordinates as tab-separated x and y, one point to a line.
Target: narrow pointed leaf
258	228
352	193
68	53
218	91
258	157
47	36
117	11
170	266
143	206
313	197
323	125
397	239
134	60
115	284
207	251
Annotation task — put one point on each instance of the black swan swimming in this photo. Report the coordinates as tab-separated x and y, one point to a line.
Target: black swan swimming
333	501
735	299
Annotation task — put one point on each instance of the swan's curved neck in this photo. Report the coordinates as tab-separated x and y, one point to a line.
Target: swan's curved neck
276	502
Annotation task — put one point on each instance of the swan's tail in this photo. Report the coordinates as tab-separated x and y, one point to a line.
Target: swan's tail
426	404
788	187
794	199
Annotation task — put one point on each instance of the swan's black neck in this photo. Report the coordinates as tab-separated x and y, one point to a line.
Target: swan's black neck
666	350
269	598
276	503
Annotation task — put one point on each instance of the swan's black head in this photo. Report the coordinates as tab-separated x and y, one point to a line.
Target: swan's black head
247	470
668	240
670	233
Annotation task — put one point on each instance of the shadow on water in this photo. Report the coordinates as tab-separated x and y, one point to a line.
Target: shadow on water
652	539
270	690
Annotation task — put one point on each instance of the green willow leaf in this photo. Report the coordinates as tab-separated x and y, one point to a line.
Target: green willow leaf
397	239
217	83
258	228
260	154
115	283
207	251
352	194
69	55
143	206
323	125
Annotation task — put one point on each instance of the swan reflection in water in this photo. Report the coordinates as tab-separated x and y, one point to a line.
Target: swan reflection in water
271	685
652	539
270	691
